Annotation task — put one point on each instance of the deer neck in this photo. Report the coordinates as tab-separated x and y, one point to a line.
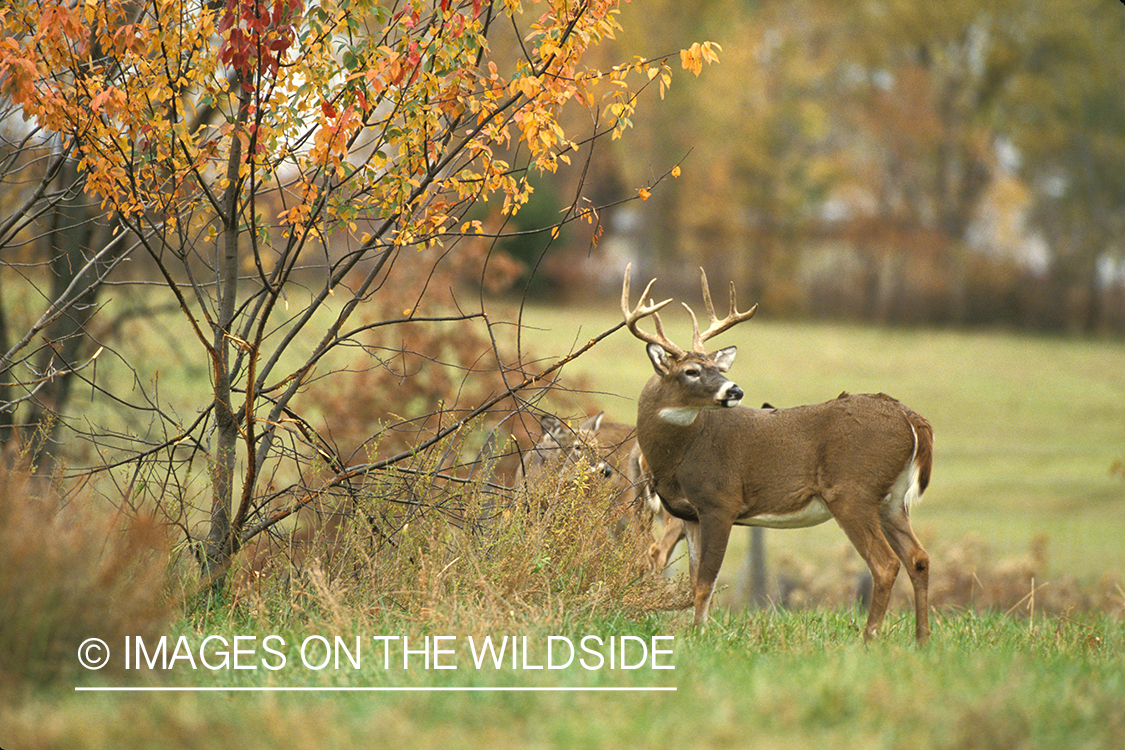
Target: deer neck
664	430
678	416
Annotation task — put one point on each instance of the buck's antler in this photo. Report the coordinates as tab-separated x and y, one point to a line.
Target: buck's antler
634	315
717	326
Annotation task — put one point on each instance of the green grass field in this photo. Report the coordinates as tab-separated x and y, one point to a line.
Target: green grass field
772	679
1027	430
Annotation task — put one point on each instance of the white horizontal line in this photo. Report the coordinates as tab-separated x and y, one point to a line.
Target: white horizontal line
299	689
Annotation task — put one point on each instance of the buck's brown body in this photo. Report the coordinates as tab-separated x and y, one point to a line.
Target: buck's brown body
780	472
861	460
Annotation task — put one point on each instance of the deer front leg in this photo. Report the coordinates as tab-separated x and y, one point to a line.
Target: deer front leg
712	535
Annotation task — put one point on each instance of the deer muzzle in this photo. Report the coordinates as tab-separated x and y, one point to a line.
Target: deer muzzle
730	395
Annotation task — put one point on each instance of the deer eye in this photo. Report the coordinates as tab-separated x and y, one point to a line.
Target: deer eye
692	372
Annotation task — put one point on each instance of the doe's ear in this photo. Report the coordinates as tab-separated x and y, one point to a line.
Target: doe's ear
659	358
724	358
594	423
552	426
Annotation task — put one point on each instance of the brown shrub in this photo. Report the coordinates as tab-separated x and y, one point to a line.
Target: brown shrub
406	378
970	578
964	575
448	551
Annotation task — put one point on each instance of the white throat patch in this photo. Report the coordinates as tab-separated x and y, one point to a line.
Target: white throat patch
679	415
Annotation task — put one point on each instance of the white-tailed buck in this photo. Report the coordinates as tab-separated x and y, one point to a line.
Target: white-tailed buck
860	459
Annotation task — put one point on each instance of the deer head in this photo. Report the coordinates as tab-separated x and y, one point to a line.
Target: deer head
562	448
691	380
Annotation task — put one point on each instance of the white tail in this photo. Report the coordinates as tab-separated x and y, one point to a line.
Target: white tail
858	459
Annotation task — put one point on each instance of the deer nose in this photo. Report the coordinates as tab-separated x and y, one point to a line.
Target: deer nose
731	396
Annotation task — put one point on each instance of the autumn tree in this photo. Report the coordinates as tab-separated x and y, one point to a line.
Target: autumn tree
846	155
273	169
963	96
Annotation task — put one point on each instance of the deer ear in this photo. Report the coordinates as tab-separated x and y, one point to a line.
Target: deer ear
594	423
659	359
552	426
724	358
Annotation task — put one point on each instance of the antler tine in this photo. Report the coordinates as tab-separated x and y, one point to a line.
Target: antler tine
696	338
634	315
658	323
716	326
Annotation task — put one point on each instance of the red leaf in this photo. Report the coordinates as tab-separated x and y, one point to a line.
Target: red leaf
227	20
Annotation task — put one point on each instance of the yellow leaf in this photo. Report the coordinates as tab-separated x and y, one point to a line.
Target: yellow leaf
692	59
644	193
676	171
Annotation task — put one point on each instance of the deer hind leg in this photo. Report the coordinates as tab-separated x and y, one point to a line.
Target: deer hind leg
692	536
864	529
711	537
661	550
896	526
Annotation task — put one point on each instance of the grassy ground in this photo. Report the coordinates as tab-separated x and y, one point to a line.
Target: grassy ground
774	679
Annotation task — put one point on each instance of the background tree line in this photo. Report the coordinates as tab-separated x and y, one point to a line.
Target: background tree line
960	163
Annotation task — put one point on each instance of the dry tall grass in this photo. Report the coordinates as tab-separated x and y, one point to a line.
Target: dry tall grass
461	554
966	575
454	554
69	572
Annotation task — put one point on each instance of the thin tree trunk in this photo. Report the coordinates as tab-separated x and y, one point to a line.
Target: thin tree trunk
220	539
